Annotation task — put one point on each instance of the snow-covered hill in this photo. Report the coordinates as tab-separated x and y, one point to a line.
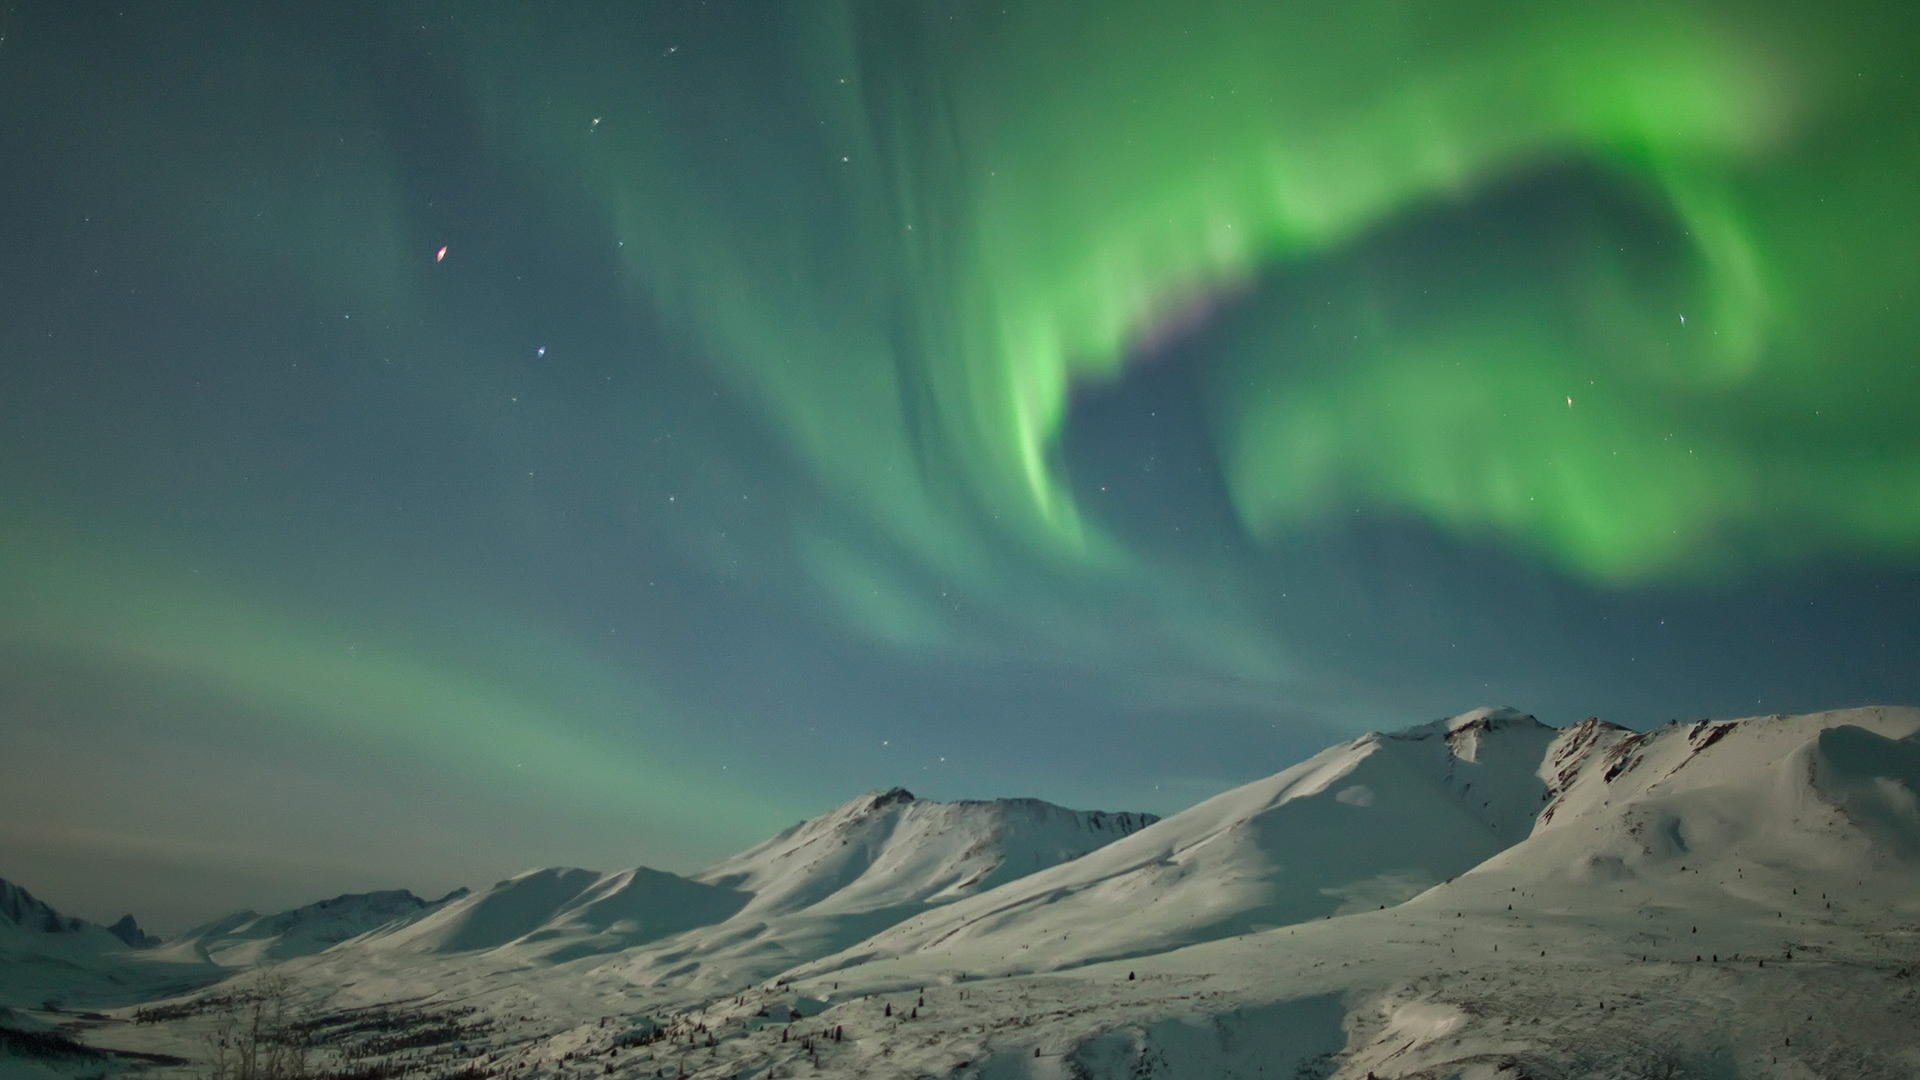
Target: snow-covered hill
838	879
1732	803
1357	827
1733	899
557	914
46	956
248	939
26	918
1713	900
818	887
886	850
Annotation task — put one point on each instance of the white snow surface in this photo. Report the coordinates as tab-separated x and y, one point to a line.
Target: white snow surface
46	956
889	850
246	939
1357	827
25	920
1728	899
816	888
556	914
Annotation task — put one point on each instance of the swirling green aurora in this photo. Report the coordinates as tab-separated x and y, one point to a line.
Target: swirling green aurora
1024	204
942	375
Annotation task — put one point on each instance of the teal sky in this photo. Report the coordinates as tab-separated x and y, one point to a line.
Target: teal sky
448	438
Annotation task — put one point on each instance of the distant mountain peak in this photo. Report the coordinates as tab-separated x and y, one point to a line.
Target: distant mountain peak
129	931
246	937
1464	732
890	797
23	909
1491	717
1484	718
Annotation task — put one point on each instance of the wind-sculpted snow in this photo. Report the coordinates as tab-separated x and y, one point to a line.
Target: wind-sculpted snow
1831	791
1875	781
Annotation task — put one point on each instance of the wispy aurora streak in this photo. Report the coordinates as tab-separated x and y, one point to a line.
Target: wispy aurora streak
1074	398
528	721
911	256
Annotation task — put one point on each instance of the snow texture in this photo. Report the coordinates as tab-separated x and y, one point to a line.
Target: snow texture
1481	897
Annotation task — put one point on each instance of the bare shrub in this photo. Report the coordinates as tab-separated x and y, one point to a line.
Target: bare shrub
258	1035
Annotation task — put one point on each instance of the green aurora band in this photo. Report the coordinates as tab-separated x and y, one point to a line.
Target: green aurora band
500	705
910	254
1435	258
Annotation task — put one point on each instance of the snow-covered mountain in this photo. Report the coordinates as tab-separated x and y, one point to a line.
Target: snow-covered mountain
1830	794
887	850
558	914
1730	899
248	939
47	956
1479	898
1359	826
24	915
21	911
815	888
129	931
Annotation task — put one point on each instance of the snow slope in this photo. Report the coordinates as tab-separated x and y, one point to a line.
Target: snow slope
1716	900
818	887
1831	793
1736	899
46	956
840	878
247	939
557	914
21	913
1359	826
23	916
890	849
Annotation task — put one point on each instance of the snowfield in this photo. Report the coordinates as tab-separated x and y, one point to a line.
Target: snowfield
1482	897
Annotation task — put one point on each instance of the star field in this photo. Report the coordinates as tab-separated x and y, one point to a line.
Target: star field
443	439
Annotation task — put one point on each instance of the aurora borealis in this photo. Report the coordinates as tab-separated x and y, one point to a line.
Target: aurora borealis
1109	402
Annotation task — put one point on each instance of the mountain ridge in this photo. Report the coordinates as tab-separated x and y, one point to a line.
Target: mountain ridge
807	891
24	912
1256	855
1334	919
249	939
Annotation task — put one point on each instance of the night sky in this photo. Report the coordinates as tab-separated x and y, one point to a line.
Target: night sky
446	438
